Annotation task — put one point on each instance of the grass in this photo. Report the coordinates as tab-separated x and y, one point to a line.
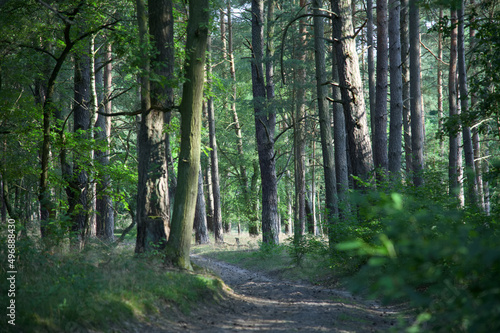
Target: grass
99	288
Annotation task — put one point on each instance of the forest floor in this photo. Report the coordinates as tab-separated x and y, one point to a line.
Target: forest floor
262	301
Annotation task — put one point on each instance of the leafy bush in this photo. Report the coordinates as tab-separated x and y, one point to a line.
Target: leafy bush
443	260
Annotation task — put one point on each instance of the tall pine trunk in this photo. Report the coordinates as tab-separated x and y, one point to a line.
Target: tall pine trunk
417	128
217	213
81	118
265	122
104	205
380	113
396	90
360	151
405	66
464	103
454	154
300	131
371	62
325	121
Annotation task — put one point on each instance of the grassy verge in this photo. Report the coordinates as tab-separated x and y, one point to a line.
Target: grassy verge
99	288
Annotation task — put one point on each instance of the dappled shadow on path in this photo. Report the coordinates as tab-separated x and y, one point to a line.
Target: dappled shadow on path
259	303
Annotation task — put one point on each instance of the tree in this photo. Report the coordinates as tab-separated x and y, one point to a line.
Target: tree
104	204
470	171
217	216
152	190
405	66
371	60
265	122
380	113
200	216
396	89
360	152
299	133
455	165
179	242
417	128
81	118
325	120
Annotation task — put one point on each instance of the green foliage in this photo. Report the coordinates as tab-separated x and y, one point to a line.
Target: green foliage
307	244
443	260
100	288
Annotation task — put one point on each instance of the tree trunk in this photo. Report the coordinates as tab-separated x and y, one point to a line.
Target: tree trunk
417	128
300	131
454	155
200	216
210	196
340	140
105	214
81	118
396	90
440	84
325	120
152	190
405	60
265	122
380	113
352	90
475	131
217	212
470	171
236	122
179	243
371	62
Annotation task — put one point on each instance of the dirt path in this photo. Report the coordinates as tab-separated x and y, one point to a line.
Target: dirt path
260	303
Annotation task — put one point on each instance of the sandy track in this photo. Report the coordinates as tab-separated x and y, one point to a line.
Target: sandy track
260	303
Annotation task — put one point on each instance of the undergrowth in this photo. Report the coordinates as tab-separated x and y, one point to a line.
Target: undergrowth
98	288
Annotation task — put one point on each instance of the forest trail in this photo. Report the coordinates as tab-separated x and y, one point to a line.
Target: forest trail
259	303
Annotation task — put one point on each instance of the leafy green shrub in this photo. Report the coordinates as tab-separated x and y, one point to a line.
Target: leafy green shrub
445	261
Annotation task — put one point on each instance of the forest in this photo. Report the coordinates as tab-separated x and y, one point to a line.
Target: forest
348	143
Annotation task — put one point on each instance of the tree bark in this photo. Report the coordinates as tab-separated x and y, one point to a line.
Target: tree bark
300	131
81	119
179	243
200	216
371	62
152	190
380	113
325	120
265	122
105	214
468	150
475	132
217	212
351	86
417	128
454	154
396	90
405	60
340	141
236	121
440	84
